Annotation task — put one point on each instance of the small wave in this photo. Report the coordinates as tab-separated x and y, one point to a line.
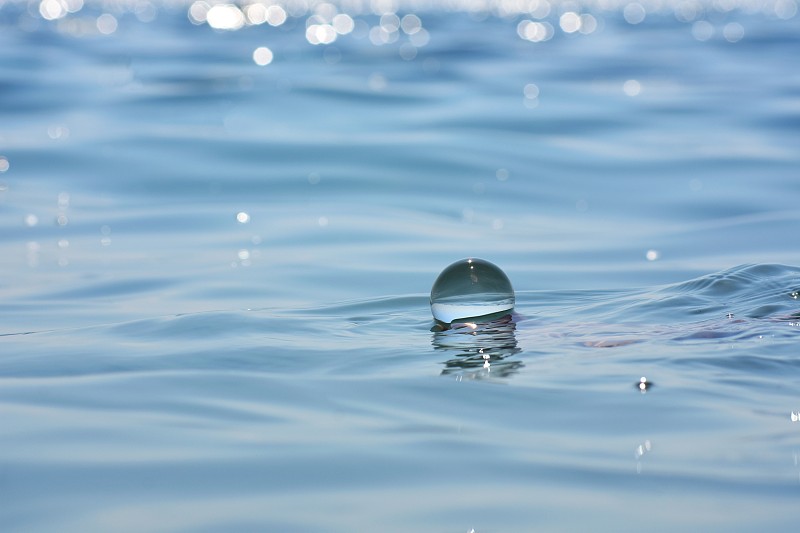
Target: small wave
752	291
762	291
740	306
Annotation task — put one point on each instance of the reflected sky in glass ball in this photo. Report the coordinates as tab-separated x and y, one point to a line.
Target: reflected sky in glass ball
471	288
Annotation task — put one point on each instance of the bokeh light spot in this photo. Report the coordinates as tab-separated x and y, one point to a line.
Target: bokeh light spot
408	51
588	24
256	13
377	82
570	22
106	24
535	32
702	30
52	9
785	9
410	24
198	12
531	90
733	32
632	88
343	24
225	17
276	15
320	34
634	13
262	56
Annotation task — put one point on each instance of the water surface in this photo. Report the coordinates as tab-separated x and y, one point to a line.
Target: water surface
216	274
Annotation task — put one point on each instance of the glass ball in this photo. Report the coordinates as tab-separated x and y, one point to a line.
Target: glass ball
471	289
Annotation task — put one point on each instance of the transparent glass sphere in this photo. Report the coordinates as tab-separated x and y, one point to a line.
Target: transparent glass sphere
471	289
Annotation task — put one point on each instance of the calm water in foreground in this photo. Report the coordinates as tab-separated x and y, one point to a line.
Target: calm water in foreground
217	247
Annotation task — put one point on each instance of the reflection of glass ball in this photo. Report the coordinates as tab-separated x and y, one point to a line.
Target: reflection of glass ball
470	288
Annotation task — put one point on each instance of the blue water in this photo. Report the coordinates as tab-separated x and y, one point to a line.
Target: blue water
215	273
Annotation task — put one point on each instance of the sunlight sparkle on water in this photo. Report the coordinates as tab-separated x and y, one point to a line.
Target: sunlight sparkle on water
538	19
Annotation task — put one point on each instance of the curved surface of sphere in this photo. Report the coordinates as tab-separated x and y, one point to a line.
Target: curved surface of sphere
470	289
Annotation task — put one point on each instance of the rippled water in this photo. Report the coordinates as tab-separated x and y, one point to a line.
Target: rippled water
217	247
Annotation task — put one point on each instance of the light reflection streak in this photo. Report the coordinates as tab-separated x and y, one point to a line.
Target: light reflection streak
33	249
640	451
479	351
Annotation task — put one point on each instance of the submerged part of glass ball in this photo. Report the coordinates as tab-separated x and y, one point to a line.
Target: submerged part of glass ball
471	289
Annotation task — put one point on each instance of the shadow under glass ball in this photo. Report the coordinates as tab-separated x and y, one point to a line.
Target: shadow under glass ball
471	289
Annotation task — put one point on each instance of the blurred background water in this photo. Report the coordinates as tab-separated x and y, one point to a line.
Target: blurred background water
219	225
